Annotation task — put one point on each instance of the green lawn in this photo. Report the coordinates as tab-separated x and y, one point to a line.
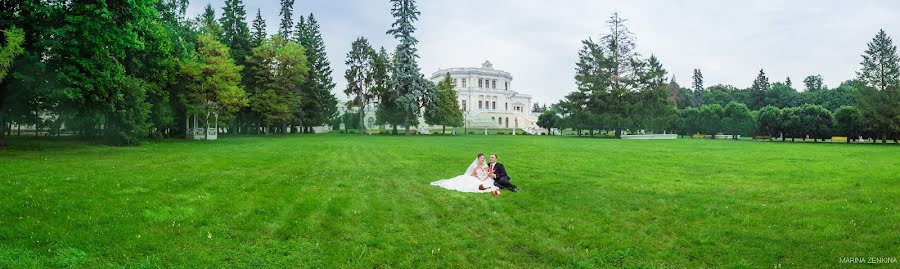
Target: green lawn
325	201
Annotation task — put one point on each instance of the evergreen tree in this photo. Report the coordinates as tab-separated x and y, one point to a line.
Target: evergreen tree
788	82
319	103
259	30
697	98
359	75
413	90
880	65
758	91
445	110
235	33
207	23
879	99
287	19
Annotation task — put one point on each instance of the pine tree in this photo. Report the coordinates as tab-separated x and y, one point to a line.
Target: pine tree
413	90
259	30
207	23
880	65
758	91
319	103
287	20
445	109
359	75
697	96
879	100
235	34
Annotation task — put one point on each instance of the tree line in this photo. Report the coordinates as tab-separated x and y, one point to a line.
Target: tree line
617	91
395	83
124	71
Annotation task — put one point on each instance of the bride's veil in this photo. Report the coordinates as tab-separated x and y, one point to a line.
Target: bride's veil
471	167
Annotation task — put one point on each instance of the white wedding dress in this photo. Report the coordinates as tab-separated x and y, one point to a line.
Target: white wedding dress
468	183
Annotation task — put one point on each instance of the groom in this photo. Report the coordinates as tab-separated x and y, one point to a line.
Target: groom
501	179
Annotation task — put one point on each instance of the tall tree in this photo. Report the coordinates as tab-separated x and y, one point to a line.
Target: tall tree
445	109
207	23
319	104
285	28
879	99
413	90
788	82
386	113
235	33
259	30
359	75
697	100
881	64
211	81
758	91
91	53
8	52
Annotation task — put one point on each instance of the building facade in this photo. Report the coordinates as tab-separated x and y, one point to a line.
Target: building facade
487	98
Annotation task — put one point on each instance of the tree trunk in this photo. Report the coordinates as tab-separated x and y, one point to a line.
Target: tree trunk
361	120
883	137
2	128
618	133
406	121
443	129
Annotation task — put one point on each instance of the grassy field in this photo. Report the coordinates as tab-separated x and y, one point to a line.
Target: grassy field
325	201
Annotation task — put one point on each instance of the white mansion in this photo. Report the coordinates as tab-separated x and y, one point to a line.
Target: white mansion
485	96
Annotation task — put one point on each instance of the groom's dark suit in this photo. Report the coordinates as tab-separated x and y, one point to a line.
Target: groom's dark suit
502	179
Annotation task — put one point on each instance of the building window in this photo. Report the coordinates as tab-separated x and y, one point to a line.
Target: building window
463	105
494	84
480	83
464	82
507	106
495	105
507	122
499	121
506	85
479	104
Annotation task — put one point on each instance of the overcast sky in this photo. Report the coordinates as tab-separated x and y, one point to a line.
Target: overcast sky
538	40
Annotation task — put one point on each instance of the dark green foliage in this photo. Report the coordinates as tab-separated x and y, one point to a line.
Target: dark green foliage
769	121
445	110
711	119
848	122
548	120
737	119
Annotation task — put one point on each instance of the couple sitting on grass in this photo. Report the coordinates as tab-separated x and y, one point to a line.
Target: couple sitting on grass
480	177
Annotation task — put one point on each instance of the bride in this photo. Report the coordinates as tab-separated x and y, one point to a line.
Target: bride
475	179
